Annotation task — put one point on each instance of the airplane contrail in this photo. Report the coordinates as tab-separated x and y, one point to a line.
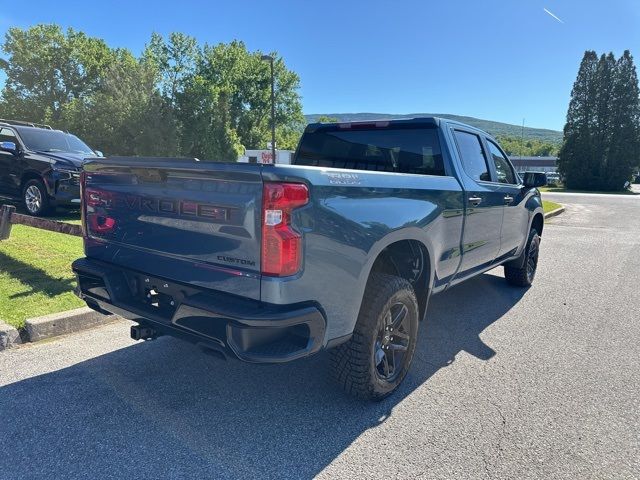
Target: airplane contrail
547	11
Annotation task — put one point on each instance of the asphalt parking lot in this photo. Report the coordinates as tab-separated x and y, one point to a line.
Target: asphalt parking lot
506	383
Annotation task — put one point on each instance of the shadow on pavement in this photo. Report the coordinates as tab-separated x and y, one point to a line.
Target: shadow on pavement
164	409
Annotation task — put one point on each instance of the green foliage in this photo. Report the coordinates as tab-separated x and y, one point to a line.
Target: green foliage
548	206
602	134
529	147
228	96
48	68
178	98
326	119
127	115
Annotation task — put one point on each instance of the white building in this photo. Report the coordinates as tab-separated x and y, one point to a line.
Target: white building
535	164
265	156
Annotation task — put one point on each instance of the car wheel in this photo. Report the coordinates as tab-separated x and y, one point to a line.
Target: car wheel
376	359
523	276
35	198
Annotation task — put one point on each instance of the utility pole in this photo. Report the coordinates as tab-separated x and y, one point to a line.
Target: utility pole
522	140
269	58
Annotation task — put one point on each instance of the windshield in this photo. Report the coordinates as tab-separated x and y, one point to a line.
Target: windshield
41	140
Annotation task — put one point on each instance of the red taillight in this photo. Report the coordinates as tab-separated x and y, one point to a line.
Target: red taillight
94	204
281	244
83	208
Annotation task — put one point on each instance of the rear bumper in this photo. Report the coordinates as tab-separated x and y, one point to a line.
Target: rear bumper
250	330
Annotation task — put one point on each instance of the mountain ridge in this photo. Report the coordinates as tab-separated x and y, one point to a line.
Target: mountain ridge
490	126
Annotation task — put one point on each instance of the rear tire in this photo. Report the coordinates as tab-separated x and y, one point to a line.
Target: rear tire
35	198
376	359
523	277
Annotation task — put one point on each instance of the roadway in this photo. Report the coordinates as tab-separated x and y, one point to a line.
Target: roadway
506	383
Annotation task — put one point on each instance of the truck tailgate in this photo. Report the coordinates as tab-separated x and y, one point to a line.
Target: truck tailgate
181	219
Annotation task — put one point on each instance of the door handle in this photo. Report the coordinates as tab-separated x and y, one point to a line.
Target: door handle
508	199
475	201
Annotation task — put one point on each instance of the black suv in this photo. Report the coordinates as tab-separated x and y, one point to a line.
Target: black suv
40	165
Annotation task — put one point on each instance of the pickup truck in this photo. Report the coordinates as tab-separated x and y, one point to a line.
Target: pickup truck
340	250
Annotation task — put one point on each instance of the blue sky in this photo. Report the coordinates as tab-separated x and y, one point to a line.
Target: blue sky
500	60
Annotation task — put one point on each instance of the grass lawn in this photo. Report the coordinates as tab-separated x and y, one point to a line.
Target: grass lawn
562	189
549	206
35	273
67	216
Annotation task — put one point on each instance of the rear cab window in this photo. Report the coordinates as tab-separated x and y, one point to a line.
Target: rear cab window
391	148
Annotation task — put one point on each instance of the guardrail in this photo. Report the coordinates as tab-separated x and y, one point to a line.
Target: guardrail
9	217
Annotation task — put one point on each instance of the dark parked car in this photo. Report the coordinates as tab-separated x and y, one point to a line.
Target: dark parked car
342	250
41	166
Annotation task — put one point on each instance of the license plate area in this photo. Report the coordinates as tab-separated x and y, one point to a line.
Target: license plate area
155	295
159	300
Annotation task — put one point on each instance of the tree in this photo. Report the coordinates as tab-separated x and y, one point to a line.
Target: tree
327	119
601	137
177	98
229	94
624	147
602	128
575	157
48	68
127	114
175	61
530	148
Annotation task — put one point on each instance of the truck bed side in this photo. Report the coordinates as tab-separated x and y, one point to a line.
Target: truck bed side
352	217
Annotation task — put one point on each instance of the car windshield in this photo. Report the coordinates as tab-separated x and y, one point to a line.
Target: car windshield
42	140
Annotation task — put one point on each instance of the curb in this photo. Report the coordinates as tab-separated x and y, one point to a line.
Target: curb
9	336
41	328
554	213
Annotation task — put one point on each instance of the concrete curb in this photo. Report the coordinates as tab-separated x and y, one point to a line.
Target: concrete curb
9	336
55	324
554	213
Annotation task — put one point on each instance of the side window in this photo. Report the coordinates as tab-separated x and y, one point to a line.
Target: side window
474	160
7	135
503	168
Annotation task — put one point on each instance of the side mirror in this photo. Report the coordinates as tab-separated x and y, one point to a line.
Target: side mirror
534	179
99	153
9	147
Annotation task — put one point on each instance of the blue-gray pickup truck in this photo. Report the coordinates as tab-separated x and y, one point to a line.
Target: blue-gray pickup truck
340	250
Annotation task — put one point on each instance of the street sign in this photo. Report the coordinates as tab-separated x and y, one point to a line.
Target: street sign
266	157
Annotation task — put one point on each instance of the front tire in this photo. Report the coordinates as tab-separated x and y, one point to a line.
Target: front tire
373	363
35	198
523	276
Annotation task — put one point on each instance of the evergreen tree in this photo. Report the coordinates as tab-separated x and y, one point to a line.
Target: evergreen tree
601	122
576	162
624	147
602	134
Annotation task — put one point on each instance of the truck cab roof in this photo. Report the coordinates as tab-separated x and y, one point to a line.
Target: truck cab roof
433	121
